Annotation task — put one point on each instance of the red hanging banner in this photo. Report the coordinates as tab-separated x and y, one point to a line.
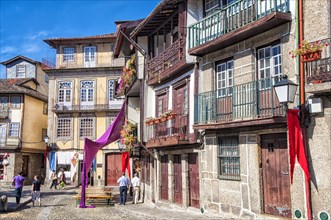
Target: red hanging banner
126	163
296	143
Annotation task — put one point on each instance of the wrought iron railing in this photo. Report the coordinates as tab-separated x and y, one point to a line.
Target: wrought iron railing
106	60
178	126
251	100
168	58
232	17
318	71
95	105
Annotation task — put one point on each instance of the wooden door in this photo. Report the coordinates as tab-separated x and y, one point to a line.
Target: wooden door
276	179
114	168
193	165
164	177
181	107
178	194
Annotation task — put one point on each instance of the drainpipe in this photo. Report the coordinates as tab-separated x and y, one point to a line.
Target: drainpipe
302	105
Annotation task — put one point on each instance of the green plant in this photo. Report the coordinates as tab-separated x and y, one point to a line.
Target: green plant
307	47
127	137
127	76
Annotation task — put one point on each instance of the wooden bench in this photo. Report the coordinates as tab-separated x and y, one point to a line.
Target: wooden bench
96	196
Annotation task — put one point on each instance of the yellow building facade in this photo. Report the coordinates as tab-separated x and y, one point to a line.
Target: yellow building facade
82	103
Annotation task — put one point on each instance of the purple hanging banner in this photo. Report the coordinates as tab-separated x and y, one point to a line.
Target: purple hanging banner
91	148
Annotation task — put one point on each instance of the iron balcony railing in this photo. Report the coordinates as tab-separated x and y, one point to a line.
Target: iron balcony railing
95	105
106	60
318	71
4	111
178	126
232	17
252	100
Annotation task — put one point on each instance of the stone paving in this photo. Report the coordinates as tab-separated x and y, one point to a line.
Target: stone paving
59	204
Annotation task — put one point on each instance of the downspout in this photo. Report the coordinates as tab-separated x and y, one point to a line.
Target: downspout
302	105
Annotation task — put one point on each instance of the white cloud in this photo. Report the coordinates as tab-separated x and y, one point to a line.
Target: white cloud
31	48
8	49
37	35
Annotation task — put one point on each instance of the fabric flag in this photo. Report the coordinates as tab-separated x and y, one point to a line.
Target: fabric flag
91	148
296	144
126	163
52	160
94	164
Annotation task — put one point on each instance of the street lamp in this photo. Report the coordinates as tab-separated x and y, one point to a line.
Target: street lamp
285	89
46	139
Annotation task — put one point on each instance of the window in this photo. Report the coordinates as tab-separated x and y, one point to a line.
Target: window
20	71
64	128
228	158
45	108
211	6
14	129
224	74
15	101
86	92
111	89
86	127
110	119
64	95
269	65
185	103
68	54
4	100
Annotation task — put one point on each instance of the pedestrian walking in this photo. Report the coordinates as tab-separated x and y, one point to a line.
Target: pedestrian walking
124	183
62	179
54	180
135	182
18	182
35	190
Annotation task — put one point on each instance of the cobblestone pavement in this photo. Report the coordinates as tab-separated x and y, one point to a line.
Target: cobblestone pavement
60	204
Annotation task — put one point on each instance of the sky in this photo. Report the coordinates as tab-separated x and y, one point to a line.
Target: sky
24	24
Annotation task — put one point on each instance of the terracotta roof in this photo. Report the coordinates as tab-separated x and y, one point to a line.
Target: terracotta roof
17	58
163	9
16	86
103	37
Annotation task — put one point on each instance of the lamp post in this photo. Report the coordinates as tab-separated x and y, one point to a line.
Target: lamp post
285	91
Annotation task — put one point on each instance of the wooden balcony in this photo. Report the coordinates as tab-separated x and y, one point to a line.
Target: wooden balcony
236	22
4	111
248	104
98	105
168	63
169	133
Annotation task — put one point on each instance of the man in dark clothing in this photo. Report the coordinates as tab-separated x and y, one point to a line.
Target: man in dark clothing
18	182
35	190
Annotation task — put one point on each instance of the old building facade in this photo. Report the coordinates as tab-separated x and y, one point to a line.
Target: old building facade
23	108
82	104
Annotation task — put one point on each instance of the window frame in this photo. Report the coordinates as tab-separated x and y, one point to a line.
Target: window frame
275	62
224	86
20	74
224	155
70	128
92	128
68	54
16	130
210	10
15	105
62	98
111	90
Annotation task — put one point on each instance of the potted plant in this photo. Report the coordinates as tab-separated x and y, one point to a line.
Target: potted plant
308	51
170	114
127	137
149	121
157	120
127	76
163	118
